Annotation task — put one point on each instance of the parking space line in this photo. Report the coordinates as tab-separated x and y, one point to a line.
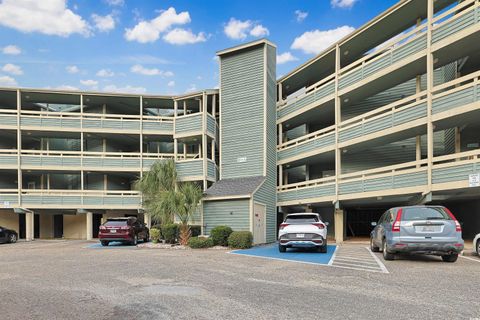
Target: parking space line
333	256
356	262
356	265
471	259
382	266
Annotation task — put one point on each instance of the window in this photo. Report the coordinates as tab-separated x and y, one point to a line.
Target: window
425	213
299	219
116	223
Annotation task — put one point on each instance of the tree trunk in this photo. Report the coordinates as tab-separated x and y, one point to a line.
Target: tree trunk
185	234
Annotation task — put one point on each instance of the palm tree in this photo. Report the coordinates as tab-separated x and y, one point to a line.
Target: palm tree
156	186
164	197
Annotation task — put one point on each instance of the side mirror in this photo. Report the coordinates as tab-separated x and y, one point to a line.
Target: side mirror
373	223
327	223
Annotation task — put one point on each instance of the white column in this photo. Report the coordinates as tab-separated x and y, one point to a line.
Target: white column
430	68
338	219
29	225
147	220
89	217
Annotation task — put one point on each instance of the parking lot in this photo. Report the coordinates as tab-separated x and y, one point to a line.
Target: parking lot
72	280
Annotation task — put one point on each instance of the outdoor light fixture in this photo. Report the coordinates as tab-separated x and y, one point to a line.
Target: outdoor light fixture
346	52
346	100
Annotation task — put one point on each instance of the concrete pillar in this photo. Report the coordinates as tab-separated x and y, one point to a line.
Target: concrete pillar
338	219
308	208
29	226
147	220
89	217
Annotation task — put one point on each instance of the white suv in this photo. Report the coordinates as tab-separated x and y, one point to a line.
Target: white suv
476	244
303	230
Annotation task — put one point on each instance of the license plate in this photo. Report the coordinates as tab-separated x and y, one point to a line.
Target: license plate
300	235
113	231
426	229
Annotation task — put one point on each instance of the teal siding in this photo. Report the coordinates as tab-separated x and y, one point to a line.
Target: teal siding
211	125
456	99
127	125
242	119
190	123
148	125
8	120
190	168
267	194
454	173
50	161
455	25
307	193
55	122
232	213
317	143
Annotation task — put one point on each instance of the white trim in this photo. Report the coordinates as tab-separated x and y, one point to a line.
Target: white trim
380	264
244	46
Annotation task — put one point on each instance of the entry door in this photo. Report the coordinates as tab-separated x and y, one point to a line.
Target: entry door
97	221
36	226
58	226
259	223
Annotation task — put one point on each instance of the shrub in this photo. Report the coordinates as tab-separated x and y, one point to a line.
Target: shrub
170	232
196	231
220	235
240	240
200	242
155	234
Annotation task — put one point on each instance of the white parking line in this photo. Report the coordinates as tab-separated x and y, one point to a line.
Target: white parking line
471	259
333	256
382	266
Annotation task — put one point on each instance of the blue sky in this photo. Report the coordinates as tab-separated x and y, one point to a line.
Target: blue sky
159	47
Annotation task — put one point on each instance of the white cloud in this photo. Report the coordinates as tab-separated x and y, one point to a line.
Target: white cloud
103	23
192	88
300	15
12	69
124	89
6	81
105	73
149	31
65	87
315	41
259	31
182	36
11	50
342	3
285	57
139	69
236	29
89	83
171	83
51	17
72	69
115	2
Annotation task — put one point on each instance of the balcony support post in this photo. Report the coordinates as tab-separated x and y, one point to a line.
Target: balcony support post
338	117
29	225
89	217
19	148
430	68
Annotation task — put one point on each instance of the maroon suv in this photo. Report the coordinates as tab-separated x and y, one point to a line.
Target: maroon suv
127	230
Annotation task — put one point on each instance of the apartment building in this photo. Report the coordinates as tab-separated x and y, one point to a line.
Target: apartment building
387	116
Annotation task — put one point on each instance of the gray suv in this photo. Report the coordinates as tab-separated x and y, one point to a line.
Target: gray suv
430	230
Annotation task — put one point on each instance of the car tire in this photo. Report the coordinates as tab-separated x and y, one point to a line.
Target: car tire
104	243
386	255
373	248
135	240
322	249
450	257
147	237
282	248
478	247
12	238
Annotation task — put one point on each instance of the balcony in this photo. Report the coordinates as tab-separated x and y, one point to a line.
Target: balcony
74	199
190	170
157	125
212	128
318	190
9	198
314	96
57	121
189	125
405	178
8	119
401	115
453	171
8	159
308	145
406	48
211	170
111	123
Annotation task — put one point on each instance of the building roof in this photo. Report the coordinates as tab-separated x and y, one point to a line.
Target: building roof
234	187
245	45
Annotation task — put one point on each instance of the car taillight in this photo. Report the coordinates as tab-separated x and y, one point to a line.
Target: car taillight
283	225
103	228
319	225
458	227
396	223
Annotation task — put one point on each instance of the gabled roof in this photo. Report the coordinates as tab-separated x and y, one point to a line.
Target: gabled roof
235	187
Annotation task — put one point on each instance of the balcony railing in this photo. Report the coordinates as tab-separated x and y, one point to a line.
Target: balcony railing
390	116
212	127
53	120
399	48
192	123
152	124
454	169
211	170
302	191
318	93
312	143
8	158
456	19
190	169
8	119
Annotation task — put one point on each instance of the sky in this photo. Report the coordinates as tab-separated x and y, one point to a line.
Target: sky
162	46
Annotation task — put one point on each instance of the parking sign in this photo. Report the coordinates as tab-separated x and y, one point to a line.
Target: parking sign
474	180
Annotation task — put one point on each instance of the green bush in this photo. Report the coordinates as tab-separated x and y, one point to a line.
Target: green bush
200	242
220	235
196	231
170	232
240	240
155	234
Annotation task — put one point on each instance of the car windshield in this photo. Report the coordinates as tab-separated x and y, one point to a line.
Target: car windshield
299	219
116	223
426	213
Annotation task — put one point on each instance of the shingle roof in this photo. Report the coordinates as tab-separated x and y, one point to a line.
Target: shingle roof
234	187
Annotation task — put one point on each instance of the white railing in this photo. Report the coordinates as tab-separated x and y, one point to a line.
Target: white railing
308	90
306	138
305	184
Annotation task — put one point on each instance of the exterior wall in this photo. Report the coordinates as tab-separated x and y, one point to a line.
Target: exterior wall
9	220
233	213
242	113
75	226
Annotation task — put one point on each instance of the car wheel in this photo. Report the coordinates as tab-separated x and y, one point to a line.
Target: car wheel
450	257
12	238
104	243
373	248
135	240
478	247
147	237
322	249
282	248
386	255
